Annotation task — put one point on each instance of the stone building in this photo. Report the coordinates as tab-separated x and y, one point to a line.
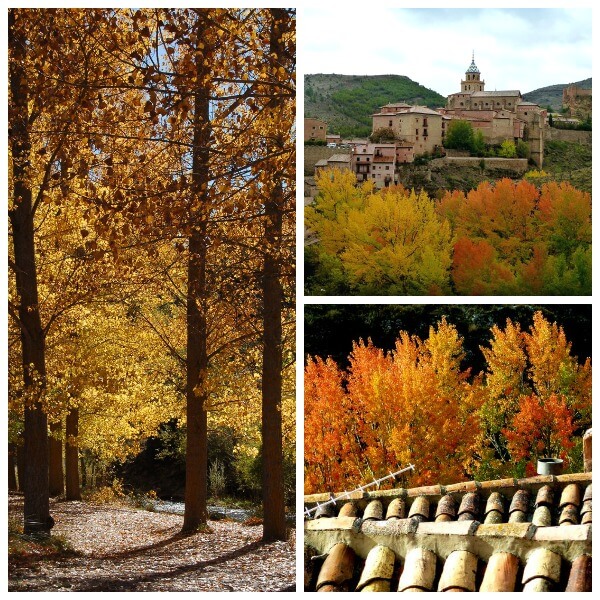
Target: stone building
314	130
417	125
578	101
377	162
336	161
499	115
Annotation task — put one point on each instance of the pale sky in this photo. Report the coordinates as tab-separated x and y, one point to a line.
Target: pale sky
521	49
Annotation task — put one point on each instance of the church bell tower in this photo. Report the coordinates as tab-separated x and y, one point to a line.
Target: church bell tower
472	81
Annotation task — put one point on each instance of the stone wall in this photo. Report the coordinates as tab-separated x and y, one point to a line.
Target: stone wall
569	135
313	154
509	164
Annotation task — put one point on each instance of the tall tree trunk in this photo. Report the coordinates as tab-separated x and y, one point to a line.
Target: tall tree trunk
12	475
196	454
56	481
84	479
272	439
72	455
20	465
35	480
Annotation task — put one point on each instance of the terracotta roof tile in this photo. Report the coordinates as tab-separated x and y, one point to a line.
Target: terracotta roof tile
496	93
532	534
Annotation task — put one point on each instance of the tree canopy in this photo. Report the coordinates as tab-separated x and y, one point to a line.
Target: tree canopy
421	403
502	238
145	145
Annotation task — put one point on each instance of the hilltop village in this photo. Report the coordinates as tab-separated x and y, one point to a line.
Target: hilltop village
403	133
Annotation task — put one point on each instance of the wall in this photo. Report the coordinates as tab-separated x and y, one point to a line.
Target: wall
314	129
510	164
313	154
569	135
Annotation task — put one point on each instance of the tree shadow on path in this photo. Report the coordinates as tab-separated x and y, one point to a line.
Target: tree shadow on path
105	584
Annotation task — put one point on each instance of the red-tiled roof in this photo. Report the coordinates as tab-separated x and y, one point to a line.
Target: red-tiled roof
529	534
496	93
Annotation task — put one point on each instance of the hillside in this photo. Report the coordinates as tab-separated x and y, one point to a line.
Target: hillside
552	94
346	102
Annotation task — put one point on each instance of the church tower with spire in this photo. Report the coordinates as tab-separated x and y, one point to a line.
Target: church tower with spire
472	81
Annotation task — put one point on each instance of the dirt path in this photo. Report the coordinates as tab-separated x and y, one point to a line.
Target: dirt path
123	549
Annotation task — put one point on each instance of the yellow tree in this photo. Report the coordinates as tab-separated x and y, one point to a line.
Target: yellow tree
209	77
56	68
386	242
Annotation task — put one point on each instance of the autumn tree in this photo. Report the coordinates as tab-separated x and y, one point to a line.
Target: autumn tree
21	214
52	70
148	145
413	405
526	370
387	242
278	186
511	238
327	439
59	124
540	428
214	78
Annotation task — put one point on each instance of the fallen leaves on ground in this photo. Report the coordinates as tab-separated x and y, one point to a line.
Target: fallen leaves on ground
123	549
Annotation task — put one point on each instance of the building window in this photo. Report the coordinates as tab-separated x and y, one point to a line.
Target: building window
367	159
425	122
390	123
424	132
358	159
387	168
416	132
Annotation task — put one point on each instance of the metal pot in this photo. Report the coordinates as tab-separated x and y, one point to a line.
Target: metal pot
549	466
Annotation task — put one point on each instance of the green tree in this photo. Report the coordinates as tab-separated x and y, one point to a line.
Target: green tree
522	149
478	143
460	136
507	149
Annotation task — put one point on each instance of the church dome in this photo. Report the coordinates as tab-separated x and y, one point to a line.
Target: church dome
473	67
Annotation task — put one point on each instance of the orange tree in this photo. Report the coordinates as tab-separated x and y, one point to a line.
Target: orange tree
412	405
513	238
529	373
540	428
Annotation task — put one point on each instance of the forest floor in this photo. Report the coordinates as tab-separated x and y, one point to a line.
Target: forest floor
120	549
